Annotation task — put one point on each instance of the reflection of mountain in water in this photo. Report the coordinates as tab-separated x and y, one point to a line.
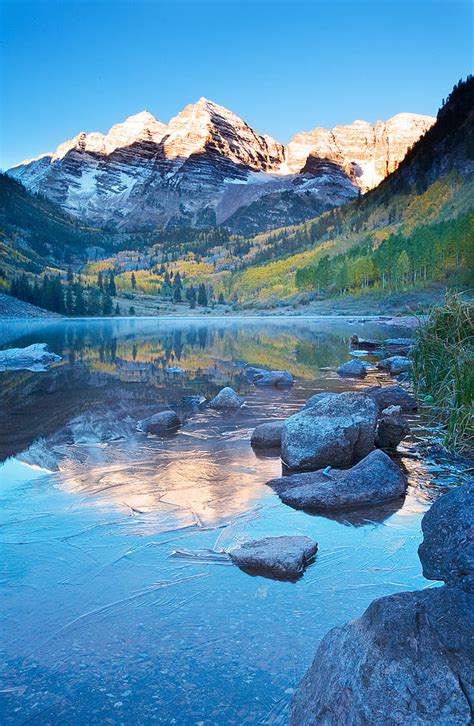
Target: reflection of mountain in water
119	367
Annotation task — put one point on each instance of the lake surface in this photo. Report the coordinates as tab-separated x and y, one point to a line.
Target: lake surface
115	609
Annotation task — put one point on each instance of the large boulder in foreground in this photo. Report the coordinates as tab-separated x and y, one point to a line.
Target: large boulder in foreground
391	428
409	660
353	369
395	364
33	357
226	399
373	481
337	431
262	377
279	557
447	550
162	424
385	396
267	435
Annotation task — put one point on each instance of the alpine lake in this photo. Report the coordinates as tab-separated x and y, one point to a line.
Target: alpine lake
118	606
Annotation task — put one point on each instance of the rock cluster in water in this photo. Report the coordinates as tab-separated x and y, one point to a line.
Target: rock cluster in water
409	659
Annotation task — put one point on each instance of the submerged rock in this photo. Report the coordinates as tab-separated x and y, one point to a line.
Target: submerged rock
391	428
337	430
353	369
267	435
165	422
280	557
386	396
373	481
262	377
36	356
395	364
447	550
408	660
226	399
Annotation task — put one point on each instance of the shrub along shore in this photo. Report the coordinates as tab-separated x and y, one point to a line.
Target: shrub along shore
443	370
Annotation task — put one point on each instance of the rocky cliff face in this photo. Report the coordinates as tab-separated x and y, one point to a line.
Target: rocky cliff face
366	153
208	166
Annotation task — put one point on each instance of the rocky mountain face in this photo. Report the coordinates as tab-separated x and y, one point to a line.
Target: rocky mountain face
208	167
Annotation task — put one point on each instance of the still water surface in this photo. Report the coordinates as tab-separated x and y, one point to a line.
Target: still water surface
115	610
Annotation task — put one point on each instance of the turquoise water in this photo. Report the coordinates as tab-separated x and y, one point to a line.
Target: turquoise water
115	609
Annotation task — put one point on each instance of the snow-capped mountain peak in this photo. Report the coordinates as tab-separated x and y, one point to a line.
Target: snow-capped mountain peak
207	163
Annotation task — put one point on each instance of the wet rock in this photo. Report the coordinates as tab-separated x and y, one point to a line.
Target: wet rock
353	369
364	343
267	435
447	550
338	430
262	377
226	399
385	396
280	557
174	371
408	660
399	346
391	428
373	481
395	364
163	423
33	357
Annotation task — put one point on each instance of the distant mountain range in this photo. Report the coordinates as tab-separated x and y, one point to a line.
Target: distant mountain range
207	167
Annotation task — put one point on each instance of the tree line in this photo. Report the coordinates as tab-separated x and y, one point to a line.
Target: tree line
431	253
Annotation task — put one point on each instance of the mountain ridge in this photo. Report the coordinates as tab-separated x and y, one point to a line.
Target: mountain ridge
144	173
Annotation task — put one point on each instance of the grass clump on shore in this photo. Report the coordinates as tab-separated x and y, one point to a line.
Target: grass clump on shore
443	369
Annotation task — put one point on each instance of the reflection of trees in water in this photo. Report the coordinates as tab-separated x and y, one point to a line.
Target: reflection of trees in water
322	351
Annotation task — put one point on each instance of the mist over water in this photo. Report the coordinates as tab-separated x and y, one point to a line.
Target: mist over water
117	606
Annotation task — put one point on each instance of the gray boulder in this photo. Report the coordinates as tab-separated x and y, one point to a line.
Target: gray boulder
262	377
226	399
33	357
353	369
385	396
317	398
447	550
278	557
395	364
409	660
391	428
163	423
338	430
267	435
371	482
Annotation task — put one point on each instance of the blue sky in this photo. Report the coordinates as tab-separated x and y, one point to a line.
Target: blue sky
282	65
